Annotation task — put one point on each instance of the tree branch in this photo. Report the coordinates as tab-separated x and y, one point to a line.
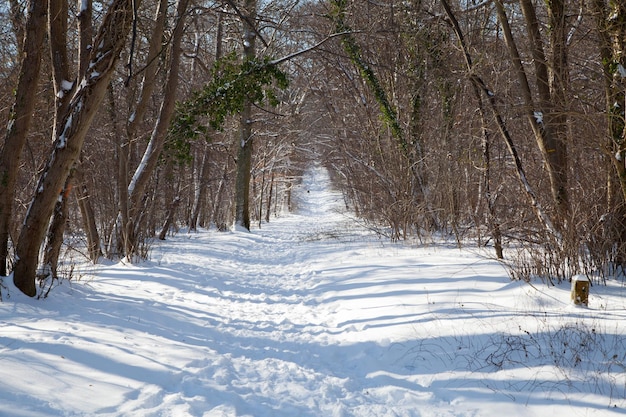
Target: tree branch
245	18
309	49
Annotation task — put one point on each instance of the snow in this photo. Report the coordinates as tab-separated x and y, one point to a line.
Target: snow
312	315
66	128
580	278
142	166
67	85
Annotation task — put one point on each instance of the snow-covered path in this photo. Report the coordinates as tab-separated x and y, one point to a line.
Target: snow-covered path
312	316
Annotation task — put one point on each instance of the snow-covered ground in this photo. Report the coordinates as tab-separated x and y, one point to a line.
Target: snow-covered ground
314	316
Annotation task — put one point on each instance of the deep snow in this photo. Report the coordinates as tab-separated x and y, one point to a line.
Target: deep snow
312	315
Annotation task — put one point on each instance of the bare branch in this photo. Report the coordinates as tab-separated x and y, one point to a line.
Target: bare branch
309	49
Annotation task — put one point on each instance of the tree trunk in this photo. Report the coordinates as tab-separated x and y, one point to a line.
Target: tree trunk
122	151
169	218
20	118
57	24
540	117
85	29
244	167
269	199
200	189
551	81
57	27
480	86
201	186
18	21
559	85
89	218
244	153
215	212
69	140
56	231
262	189
149	79
85	33
124	141
611	29
150	158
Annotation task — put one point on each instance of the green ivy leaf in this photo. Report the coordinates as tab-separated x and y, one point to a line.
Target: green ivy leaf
233	83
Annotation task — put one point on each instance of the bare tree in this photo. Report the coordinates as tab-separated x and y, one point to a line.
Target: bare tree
480	89
70	137
545	117
20	118
150	158
610	20
58	27
246	139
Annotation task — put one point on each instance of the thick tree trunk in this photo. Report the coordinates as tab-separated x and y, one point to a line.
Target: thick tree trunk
551	80
20	118
69	140
540	116
245	146
244	166
559	86
85	29
57	27
57	24
611	29
85	32
612	45
56	231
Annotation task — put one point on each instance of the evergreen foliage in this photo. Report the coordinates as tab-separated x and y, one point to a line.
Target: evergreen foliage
231	85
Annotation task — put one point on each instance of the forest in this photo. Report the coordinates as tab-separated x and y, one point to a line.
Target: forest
494	123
